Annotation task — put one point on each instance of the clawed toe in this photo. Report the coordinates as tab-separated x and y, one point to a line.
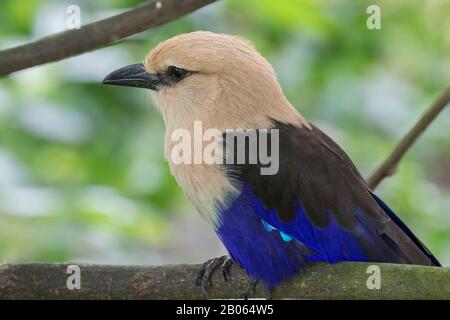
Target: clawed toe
204	273
207	269
250	291
226	268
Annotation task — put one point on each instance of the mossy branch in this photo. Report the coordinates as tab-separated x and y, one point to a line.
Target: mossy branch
321	281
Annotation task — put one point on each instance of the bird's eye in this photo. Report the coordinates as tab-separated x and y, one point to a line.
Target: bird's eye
176	74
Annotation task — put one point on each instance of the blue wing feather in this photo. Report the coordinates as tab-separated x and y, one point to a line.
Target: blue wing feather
271	250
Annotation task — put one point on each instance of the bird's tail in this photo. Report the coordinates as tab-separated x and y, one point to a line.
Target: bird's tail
408	232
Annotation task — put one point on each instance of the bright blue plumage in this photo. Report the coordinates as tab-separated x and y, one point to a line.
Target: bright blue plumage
271	250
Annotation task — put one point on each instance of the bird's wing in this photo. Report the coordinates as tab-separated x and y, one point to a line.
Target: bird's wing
319	199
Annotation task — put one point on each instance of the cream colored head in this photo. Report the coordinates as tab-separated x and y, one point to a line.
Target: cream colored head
217	79
227	84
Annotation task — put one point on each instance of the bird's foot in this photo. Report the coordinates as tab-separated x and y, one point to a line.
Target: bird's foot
250	291
204	273
251	288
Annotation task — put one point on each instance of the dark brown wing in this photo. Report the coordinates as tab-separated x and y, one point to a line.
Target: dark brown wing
317	174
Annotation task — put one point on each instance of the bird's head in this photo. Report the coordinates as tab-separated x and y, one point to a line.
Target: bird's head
218	79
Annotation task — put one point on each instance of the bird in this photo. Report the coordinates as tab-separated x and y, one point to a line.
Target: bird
315	207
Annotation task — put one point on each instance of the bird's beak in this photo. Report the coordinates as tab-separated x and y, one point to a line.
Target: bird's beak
134	76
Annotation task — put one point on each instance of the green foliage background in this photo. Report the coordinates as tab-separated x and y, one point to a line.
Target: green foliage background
82	174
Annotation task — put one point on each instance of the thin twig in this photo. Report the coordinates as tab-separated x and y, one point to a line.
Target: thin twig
388	167
148	15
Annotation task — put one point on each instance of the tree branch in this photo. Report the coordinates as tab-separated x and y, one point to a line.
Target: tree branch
389	165
321	281
69	43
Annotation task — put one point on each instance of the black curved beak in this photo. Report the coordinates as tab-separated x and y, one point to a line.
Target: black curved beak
134	76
